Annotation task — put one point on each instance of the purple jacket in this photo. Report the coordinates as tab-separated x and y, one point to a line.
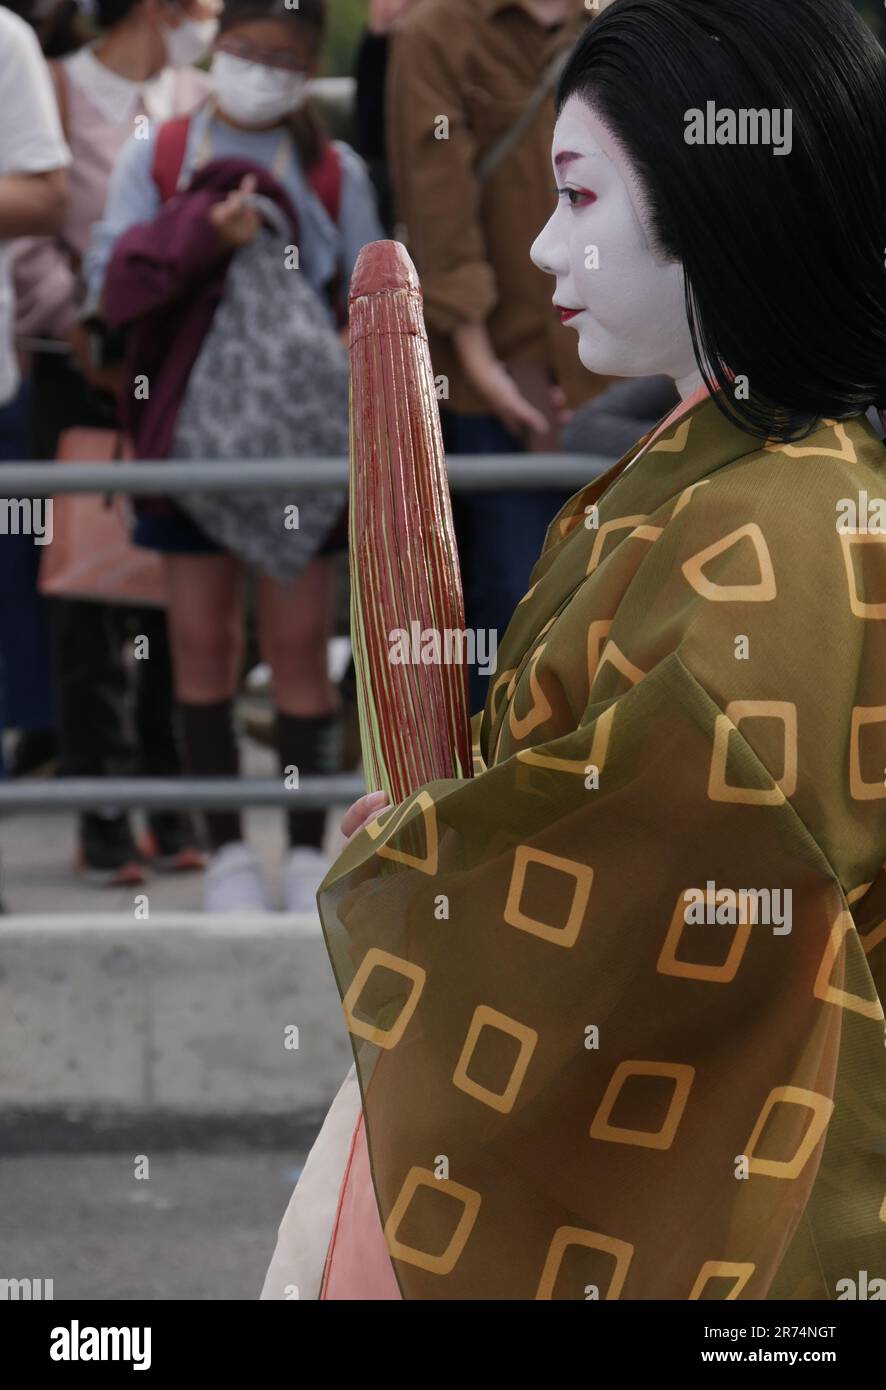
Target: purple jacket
163	283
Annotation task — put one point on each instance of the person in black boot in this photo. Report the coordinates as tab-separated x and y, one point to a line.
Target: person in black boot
136	70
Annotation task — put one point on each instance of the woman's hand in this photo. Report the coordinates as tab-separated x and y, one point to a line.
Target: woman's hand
494	382
362	812
234	218
560	407
501	392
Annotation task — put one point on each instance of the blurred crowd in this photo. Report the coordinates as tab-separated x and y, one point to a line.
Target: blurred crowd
164	167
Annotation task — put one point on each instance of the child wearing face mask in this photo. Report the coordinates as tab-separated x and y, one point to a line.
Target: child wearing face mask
263	59
138	67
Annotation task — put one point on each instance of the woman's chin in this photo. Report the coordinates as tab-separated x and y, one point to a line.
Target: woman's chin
599	356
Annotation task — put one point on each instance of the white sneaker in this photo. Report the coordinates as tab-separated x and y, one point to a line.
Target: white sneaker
234	881
303	872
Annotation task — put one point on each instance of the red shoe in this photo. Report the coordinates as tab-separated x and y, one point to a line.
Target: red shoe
107	853
170	843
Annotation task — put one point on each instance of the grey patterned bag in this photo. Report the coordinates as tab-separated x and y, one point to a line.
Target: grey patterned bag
270	382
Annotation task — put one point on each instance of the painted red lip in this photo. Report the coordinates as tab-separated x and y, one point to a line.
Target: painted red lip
567	314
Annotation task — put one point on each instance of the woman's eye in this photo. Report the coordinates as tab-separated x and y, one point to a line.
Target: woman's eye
578	197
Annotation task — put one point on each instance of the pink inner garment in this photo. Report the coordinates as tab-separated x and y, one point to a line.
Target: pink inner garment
358	1265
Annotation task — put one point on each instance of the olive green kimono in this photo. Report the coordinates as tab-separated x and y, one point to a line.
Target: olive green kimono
573	1087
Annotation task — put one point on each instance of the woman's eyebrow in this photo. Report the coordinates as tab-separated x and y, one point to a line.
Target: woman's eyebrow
565	157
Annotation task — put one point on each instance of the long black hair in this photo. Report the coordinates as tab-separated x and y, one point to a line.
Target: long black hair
306	124
783	253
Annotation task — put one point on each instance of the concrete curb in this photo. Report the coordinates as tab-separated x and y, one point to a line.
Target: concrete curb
181	1015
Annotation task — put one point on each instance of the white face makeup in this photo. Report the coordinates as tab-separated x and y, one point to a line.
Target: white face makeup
631	318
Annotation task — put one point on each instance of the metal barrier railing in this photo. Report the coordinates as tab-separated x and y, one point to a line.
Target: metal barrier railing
466	473
182	793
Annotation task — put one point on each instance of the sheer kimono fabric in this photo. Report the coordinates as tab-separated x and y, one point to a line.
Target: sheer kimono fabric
573	1087
333	1211
358	1265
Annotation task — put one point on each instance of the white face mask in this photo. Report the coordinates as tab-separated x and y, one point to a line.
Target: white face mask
599	244
253	94
190	42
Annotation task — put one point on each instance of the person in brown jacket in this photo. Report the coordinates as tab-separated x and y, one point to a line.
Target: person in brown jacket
470	115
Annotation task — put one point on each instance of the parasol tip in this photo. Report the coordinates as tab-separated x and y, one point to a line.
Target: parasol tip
383	266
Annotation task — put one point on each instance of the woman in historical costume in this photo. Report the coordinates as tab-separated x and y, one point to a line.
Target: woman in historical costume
615	1002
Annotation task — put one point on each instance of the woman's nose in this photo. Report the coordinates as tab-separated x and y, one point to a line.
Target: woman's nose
544	250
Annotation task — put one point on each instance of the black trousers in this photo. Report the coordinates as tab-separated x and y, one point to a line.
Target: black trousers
113	716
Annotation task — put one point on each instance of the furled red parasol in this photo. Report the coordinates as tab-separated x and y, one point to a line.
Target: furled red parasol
404	565
404	573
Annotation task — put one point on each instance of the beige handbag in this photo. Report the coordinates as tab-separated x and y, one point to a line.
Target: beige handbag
91	555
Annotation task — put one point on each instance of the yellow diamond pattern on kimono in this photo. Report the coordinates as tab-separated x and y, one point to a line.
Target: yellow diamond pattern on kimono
426	863
613	656
762	590
864	719
633	524
820	1109
858	602
416	1179
620	1251
682	1077
561	934
720	1269
540	712
670	964
824	989
727	724
676	443
842	448
484	1017
374	960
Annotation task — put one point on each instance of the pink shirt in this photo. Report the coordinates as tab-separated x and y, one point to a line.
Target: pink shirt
100	112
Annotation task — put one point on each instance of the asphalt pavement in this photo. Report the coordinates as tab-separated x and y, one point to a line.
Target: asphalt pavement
198	1226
